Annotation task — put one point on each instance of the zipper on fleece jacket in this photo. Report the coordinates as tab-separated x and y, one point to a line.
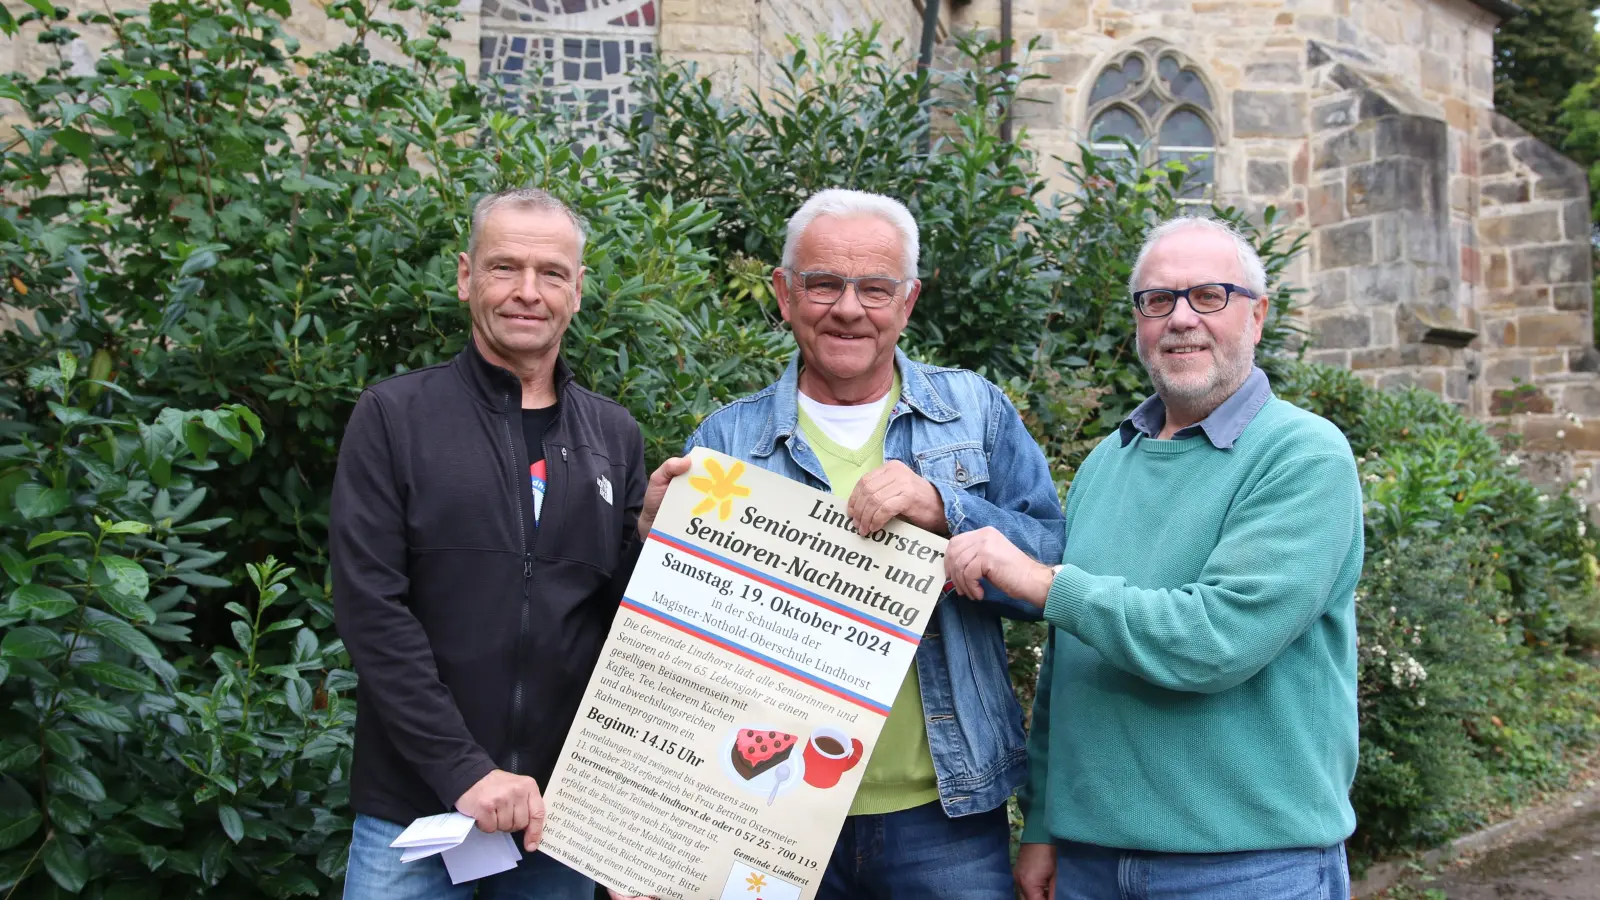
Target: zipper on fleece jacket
517	686
525	621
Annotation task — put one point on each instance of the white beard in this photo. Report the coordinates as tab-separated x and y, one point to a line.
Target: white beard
1230	367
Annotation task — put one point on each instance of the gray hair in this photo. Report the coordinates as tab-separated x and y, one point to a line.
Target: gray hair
845	203
520	198
1255	274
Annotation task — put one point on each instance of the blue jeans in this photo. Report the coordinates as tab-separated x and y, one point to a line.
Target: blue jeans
376	873
1087	872
921	853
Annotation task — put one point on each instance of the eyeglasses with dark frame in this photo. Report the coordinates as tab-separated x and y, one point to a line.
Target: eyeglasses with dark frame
1158	303
827	288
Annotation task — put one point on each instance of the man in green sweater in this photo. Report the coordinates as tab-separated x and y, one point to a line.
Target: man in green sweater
1194	731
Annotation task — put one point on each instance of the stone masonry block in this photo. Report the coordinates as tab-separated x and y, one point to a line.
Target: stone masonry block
1344	245
1582	398
1497	270
1573	297
1559	177
1542	227
1375	358
1505	371
1066	70
1520	298
1349	148
1383	327
1265	177
1505	193
1388	239
1558	329
1556	434
1435	72
1387	185
1327	204
1271	72
1578	224
1330	290
1331	114
1342	332
731	39
1427	381
1070	15
1268	114
1414	136
1494	159
1041	107
1553	264
1379	285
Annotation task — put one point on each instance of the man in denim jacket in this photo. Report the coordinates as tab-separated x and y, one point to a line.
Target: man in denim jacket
945	450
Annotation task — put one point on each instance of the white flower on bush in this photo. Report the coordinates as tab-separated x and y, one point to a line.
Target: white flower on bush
1573	418
1513	460
1406	672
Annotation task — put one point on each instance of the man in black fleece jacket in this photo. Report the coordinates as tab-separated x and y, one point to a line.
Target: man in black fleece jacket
485	521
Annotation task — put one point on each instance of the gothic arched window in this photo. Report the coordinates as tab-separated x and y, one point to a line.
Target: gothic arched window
1156	99
587	49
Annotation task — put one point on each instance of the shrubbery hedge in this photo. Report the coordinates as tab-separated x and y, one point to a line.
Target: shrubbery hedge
216	241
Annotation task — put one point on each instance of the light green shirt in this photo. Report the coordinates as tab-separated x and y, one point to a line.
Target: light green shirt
900	774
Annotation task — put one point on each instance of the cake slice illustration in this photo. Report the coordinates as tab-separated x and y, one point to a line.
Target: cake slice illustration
755	751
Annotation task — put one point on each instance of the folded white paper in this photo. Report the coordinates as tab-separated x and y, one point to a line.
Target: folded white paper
467	852
481	855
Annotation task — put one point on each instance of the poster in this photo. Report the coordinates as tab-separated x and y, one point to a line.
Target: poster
759	646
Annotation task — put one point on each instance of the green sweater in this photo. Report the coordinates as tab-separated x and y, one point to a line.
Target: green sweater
1198	693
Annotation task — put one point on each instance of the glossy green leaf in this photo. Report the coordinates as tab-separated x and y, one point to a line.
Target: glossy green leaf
125	636
35	501
125	576
52	536
118	676
66	861
31	642
14	831
78	144
232	824
75	780
42	601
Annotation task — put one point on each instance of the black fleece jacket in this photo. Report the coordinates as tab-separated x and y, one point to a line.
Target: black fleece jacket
473	637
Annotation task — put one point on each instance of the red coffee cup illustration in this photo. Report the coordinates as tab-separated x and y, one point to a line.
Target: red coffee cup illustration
829	754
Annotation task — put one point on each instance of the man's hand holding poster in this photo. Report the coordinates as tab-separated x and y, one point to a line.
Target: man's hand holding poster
748	673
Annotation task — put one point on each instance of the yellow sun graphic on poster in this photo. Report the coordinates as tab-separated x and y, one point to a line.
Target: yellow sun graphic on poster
756	882
720	489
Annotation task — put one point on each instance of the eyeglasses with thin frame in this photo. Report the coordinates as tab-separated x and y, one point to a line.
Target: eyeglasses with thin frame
827	288
1158	303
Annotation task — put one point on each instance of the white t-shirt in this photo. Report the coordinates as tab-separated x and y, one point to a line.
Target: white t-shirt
848	426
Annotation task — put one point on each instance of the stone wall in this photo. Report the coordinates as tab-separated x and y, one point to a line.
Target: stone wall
1383	251
308	23
740	42
1534	234
1540	366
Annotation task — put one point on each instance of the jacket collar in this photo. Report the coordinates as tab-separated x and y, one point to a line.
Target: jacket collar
489	384
916	392
1223	427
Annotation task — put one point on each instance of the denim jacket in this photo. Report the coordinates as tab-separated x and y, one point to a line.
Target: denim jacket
960	433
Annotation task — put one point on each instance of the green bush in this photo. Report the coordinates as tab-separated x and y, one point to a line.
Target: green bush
138	770
1477	584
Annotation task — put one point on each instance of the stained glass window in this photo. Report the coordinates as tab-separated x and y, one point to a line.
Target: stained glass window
588	51
1157	100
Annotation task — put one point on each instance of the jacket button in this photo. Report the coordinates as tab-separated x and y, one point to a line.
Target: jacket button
961	474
